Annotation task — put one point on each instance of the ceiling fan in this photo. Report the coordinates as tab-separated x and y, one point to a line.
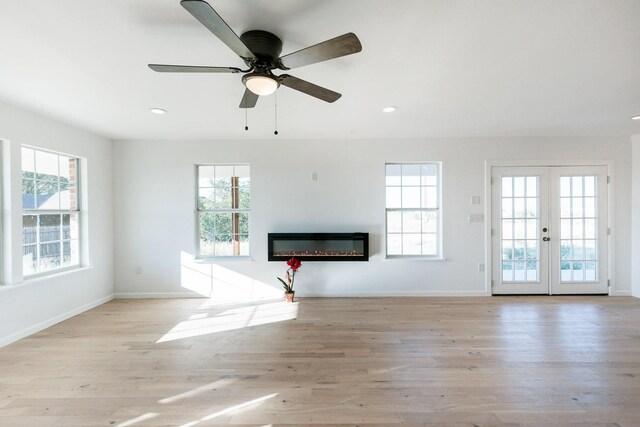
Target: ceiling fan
260	50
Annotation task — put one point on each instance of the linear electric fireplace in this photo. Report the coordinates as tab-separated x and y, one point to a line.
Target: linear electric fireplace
319	246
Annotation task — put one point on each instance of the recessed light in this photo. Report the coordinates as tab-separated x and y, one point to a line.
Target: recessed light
158	111
389	109
635	118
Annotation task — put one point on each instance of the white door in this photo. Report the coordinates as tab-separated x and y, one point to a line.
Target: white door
549	230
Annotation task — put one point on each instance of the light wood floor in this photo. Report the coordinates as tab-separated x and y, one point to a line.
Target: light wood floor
418	361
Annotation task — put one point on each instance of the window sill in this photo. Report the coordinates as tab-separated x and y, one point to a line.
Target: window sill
210	259
412	258
55	273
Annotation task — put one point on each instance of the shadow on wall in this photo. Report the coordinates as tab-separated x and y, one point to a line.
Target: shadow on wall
221	284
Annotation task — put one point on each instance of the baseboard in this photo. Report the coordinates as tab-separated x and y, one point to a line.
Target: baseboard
621	293
142	295
396	294
50	322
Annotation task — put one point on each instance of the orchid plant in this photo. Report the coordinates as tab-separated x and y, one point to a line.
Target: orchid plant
294	264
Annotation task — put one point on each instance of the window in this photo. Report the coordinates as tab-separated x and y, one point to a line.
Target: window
413	209
50	211
223	210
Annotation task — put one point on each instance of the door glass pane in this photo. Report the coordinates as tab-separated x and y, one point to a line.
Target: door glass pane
520	221
578	229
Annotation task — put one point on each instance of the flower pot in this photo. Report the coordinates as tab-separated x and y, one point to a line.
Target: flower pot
288	297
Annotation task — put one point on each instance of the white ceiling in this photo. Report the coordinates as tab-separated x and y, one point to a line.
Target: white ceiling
454	68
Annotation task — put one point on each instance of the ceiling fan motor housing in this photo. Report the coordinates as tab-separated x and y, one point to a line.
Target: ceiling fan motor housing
265	46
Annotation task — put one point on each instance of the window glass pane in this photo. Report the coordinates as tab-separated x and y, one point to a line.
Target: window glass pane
50	229
590	186
429	244
394	244
29	259
565	186
410	175
590	207
394	197
576	186
410	197
244	245
223	245
47	165
222	198
245	198
519	208
223	176
68	187
47	195
206	176
507	228
393	174
29	229
206	233
50	256
507	207
429	222
518	186
411	244
532	186
243	223
507	186
222	224
71	253
430	197
394	222
411	222
28	194
429	174
565	207
206	198
28	157
66	167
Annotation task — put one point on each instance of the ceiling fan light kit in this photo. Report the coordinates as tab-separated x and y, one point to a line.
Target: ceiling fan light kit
260	51
262	84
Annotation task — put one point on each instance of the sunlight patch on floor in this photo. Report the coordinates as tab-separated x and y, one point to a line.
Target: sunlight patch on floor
198	390
136	420
232	319
232	409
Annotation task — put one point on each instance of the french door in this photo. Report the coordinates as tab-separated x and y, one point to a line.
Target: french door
549	230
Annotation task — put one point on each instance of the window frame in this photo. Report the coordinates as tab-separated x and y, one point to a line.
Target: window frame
78	211
239	210
438	256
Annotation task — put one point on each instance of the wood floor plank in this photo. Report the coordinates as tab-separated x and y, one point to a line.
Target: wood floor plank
331	361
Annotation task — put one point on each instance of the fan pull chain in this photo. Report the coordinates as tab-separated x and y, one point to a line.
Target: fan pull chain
246	125
275	98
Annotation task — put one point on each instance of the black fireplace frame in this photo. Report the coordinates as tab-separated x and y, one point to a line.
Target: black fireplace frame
363	237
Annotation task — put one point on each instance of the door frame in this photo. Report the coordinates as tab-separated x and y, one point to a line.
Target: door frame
488	168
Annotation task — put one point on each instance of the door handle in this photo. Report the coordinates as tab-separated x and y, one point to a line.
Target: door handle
545	239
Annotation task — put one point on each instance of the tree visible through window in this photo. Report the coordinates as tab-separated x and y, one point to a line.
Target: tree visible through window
223	210
413	209
50	211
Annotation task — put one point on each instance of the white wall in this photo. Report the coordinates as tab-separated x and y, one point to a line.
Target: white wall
635	210
27	306
155	221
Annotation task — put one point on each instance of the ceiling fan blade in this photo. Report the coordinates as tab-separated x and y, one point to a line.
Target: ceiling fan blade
345	44
309	88
203	12
249	99
163	68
